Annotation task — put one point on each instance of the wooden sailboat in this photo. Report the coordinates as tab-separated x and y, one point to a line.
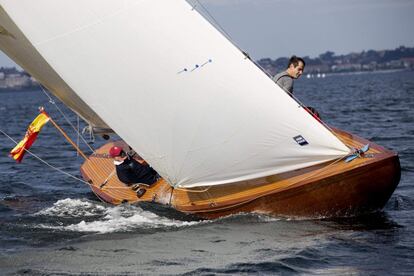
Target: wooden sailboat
326	190
223	136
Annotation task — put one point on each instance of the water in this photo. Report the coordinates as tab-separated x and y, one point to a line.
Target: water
52	224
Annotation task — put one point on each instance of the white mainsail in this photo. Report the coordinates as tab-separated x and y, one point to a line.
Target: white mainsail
172	87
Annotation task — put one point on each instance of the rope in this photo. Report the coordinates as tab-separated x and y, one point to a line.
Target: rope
77	136
171	195
60	170
192	191
107	179
322	170
46	163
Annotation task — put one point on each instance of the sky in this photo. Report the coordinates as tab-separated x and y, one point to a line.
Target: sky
281	28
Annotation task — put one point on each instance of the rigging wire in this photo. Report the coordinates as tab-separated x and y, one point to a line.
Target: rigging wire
231	40
60	170
66	118
45	162
221	29
215	22
77	136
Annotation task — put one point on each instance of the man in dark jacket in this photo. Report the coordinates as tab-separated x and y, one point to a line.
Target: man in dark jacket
130	171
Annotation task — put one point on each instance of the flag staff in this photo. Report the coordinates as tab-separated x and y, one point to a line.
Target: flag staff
42	109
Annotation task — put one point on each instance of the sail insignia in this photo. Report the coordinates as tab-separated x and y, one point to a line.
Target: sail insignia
300	140
195	67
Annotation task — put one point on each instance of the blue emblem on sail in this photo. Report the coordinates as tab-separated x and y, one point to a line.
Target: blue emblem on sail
300	140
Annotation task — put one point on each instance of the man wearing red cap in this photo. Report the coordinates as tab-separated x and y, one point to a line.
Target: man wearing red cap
129	170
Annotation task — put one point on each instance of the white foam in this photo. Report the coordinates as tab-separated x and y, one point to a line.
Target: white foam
268	218
112	219
73	208
116	221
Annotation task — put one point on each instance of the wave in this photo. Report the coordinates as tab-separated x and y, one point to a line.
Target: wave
73	208
82	215
106	219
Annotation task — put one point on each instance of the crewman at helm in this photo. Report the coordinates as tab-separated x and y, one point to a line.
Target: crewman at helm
129	170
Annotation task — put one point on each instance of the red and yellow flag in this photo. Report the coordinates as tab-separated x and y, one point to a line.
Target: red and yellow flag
31	134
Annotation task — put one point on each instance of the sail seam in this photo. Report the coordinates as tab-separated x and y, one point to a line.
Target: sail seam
84	27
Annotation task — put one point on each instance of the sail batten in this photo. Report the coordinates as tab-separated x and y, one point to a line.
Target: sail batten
174	88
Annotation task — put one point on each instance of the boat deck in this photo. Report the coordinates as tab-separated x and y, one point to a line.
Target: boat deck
99	171
313	189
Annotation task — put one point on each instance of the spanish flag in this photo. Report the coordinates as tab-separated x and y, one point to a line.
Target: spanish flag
31	134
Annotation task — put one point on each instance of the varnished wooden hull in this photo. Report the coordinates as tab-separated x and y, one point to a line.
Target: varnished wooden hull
326	190
362	190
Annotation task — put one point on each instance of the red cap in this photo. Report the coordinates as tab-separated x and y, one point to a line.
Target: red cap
115	151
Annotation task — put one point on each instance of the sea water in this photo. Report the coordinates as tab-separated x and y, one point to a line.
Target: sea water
52	224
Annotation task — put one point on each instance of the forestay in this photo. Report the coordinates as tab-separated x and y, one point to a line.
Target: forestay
174	89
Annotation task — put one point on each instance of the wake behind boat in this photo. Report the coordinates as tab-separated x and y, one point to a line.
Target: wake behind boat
223	136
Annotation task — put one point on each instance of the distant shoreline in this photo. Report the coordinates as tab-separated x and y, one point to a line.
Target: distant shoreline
24	89
389	71
37	88
365	61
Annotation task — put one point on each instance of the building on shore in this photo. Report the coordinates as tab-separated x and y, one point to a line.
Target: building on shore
12	79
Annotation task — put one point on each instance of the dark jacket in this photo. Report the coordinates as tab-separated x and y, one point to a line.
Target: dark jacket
131	171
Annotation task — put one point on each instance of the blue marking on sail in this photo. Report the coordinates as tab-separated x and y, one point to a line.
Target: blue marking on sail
195	67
